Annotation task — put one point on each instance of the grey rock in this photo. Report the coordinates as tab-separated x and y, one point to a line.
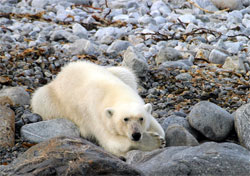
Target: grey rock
233	47
175	64
117	46
43	3
184	77
45	130
27	118
17	95
136	61
242	125
206	159
83	46
63	35
177	120
67	156
177	135
211	120
108	34
79	31
7	127
217	57
167	54
161	7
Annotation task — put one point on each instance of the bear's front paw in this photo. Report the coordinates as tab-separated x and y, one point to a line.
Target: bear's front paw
160	140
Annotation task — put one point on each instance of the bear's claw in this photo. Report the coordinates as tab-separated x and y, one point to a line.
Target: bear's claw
161	140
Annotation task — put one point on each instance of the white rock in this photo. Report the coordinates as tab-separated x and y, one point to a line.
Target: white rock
231	4
110	32
234	64
79	31
121	18
155	13
160	20
160	6
187	18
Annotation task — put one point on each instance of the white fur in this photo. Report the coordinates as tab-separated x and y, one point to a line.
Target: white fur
97	99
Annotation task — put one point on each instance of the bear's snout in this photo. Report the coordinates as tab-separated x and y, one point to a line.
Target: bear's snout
136	136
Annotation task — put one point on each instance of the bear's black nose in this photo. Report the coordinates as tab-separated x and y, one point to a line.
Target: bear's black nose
136	136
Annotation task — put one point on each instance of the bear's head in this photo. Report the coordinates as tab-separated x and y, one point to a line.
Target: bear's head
130	120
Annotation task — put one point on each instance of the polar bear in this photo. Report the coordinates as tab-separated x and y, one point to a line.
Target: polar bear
104	104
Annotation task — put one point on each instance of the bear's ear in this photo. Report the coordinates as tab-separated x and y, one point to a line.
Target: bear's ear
148	107
109	112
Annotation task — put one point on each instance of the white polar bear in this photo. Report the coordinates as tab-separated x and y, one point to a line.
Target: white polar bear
104	104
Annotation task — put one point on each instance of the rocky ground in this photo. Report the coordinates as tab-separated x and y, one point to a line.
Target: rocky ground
192	59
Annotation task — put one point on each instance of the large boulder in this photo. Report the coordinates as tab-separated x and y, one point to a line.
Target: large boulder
67	156
207	159
242	125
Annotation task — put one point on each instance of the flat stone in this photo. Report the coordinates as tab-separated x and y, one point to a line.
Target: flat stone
17	95
177	135
117	46
7	127
242	125
184	77
209	158
167	54
67	156
45	130
211	120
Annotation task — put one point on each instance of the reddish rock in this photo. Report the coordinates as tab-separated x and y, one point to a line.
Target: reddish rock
68	156
7	127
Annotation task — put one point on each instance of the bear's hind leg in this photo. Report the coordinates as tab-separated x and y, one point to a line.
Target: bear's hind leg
125	75
44	104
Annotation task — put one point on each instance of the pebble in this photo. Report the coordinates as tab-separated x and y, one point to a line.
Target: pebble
211	120
45	130
184	77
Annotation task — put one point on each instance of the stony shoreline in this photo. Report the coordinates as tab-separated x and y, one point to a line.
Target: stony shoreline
181	54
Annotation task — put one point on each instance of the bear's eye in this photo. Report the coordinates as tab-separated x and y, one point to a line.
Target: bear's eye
126	119
141	119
